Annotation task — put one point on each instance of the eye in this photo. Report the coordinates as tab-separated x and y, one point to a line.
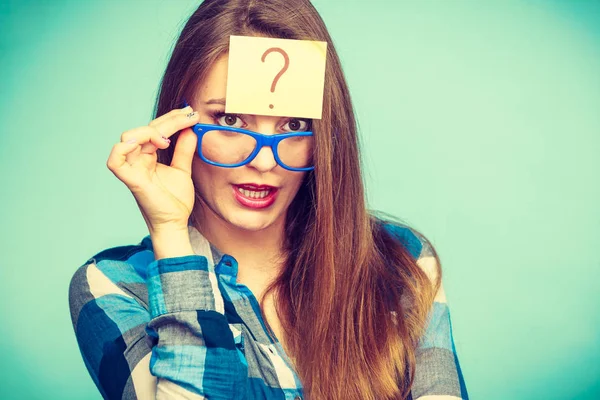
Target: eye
296	125
230	120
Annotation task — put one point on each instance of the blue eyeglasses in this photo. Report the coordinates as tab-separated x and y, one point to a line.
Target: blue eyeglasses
230	147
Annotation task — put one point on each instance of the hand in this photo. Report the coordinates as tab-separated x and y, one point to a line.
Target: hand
164	194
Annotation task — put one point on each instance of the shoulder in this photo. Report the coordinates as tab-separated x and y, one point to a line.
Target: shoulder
119	271
108	301
417	244
405	235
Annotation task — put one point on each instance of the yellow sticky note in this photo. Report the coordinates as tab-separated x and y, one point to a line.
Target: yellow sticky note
278	77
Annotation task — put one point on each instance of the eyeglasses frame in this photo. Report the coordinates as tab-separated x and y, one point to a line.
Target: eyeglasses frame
262	140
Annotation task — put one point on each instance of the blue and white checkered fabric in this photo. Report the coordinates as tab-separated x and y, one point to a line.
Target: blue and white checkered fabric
183	328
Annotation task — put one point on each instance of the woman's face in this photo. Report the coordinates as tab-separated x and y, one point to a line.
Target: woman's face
220	187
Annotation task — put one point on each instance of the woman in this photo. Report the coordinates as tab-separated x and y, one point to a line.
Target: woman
261	281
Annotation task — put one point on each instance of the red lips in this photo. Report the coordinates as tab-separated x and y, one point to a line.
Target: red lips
255	187
252	202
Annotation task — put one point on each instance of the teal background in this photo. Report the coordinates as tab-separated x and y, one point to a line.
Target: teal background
480	125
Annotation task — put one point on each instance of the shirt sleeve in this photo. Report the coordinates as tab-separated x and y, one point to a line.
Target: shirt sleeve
195	347
438	374
178	345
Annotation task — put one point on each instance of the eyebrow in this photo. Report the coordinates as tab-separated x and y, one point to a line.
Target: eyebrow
221	101
216	101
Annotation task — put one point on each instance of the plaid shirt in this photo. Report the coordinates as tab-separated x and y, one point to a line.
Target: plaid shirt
182	328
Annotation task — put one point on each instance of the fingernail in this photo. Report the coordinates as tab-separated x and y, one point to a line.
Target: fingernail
166	139
131	141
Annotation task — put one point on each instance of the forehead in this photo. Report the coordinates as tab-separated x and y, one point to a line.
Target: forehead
215	83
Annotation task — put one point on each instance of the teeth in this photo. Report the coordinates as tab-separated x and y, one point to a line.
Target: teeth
254	194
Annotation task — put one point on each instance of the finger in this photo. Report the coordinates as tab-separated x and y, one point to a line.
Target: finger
163	129
156	122
149	139
185	148
132	156
117	161
141	134
171	114
170	126
156	142
149	147
144	135
155	136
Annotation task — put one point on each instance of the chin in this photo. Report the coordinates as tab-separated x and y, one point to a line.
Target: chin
250	221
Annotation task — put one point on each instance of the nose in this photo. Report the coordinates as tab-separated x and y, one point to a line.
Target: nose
264	160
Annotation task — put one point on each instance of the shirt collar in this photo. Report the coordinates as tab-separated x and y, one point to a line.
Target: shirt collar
224	263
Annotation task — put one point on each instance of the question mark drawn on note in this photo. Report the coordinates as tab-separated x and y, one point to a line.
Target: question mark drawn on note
285	66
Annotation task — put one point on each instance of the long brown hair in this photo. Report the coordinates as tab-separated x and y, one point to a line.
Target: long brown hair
346	281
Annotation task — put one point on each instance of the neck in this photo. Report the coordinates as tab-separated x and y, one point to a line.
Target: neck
255	251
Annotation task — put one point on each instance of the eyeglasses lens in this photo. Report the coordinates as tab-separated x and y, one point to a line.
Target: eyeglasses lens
229	148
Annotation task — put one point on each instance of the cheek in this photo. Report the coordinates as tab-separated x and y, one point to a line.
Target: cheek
207	178
295	181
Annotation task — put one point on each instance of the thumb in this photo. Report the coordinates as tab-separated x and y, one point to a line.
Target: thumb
185	148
